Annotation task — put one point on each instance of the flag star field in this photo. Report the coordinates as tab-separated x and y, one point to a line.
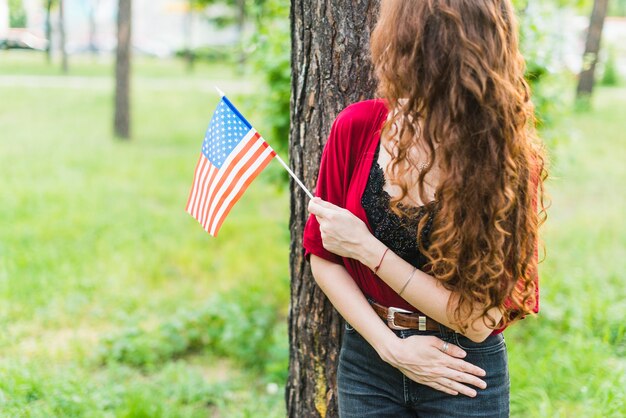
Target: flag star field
225	131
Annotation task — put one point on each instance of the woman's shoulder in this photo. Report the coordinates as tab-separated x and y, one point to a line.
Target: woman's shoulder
362	113
355	127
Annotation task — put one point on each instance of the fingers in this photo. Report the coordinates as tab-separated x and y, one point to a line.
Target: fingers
323	209
454	386
319	207
461	371
324	203
464	366
447	348
458	371
442	388
316	208
455	351
466	378
445	384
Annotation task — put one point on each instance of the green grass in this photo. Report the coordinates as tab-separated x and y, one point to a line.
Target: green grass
95	243
113	300
570	361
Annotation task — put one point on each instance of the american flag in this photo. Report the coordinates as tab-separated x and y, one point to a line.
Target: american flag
233	154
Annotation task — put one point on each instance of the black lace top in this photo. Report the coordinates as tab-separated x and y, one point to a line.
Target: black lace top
395	232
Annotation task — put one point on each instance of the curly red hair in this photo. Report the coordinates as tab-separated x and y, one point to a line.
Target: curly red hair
455	66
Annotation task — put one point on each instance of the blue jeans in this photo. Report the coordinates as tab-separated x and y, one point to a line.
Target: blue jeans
370	387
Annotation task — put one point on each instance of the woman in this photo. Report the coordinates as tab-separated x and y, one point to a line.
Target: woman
424	231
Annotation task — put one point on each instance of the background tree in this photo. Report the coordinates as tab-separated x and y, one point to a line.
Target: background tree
241	21
330	70
64	63
188	35
49	30
270	46
592	48
242	9
92	12
122	70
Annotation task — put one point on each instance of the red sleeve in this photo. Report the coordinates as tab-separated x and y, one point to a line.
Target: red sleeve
331	186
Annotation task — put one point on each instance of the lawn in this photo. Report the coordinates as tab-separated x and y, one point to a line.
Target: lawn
104	277
114	302
571	360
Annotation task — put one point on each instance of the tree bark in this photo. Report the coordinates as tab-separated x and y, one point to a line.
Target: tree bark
122	70
592	48
330	70
64	63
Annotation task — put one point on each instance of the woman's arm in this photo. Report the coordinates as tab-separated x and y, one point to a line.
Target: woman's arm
423	290
418	357
346	235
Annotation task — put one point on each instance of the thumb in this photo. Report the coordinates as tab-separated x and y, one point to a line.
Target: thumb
325	204
315	207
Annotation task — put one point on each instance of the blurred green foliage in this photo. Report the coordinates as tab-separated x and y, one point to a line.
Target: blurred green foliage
181	389
617	8
271	57
221	53
17	14
540	37
610	75
267	48
250	9
242	324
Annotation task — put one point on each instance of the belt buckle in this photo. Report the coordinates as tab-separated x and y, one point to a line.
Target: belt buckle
391	311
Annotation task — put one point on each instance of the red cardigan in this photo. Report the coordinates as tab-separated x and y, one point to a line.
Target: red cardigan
344	169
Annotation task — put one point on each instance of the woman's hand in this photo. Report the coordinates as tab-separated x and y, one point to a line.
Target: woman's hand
342	232
420	358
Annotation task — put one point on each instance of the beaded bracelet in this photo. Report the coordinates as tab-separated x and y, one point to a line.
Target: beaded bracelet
381	261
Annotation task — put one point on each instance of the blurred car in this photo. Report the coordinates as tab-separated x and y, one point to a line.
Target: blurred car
19	38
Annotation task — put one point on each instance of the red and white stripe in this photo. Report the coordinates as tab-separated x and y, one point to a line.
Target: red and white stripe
215	191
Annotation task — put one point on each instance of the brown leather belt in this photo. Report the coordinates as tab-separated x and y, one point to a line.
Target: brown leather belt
402	319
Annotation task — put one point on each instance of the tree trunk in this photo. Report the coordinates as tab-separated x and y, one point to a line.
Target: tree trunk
48	31
592	48
241	21
122	70
330	70
189	57
93	26
64	64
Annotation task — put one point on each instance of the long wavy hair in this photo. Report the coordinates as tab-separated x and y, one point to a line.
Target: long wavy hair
455	67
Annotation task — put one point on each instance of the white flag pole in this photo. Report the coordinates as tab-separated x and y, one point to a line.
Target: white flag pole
280	160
